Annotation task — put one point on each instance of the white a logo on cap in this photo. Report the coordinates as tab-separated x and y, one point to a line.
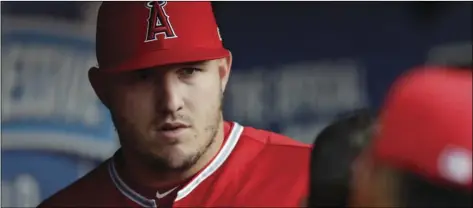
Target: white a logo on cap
158	22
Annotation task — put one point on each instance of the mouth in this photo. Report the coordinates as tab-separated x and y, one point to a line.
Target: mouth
172	130
172	126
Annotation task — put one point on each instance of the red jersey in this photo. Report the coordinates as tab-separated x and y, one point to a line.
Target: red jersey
253	168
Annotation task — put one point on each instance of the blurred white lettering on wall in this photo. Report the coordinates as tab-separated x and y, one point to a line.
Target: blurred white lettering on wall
321	87
297	98
43	82
305	132
84	167
247	91
22	191
53	123
457	53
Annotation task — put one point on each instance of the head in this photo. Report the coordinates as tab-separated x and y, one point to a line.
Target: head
334	151
163	83
421	155
463	66
381	185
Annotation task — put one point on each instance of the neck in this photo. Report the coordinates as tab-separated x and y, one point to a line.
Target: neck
141	173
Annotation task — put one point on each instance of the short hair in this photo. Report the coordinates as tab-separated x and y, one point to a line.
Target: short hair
334	151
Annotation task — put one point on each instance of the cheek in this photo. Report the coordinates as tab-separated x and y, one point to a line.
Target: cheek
132	103
361	184
204	103
204	97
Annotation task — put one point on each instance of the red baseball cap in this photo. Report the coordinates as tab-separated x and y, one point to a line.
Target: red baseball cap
135	34
426	126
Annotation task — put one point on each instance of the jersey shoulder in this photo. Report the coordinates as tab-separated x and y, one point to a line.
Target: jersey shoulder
273	151
276	166
273	140
86	191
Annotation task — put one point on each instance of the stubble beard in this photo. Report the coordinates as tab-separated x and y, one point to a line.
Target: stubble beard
162	164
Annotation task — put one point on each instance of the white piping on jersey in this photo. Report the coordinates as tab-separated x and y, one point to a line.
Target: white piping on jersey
126	190
221	157
215	164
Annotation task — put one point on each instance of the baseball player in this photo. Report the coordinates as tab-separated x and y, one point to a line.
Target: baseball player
162	73
334	151
422	154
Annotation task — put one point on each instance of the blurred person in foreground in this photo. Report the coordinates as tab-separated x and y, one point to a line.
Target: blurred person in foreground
334	151
422	154
162	74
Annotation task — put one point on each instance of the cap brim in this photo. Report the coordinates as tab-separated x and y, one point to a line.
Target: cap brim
167	57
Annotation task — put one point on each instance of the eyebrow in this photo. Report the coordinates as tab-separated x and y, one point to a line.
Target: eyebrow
193	63
174	65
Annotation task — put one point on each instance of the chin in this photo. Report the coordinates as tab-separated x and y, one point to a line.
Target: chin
181	164
181	161
170	158
175	154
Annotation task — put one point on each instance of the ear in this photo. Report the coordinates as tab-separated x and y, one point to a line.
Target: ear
97	81
225	66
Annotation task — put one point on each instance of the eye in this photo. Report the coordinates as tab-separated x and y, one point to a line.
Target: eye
143	74
187	72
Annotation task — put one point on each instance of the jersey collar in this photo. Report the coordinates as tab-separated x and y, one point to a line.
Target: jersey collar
219	159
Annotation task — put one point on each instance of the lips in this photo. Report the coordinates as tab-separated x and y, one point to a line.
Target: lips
172	126
172	131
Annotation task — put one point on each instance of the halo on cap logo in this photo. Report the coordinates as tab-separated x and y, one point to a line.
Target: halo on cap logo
219	35
159	25
455	164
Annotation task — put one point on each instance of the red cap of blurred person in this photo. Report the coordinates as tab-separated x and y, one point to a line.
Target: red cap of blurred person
426	126
135	34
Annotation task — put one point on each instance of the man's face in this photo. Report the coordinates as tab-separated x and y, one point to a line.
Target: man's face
373	185
167	116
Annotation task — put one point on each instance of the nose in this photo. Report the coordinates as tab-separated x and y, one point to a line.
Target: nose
170	95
